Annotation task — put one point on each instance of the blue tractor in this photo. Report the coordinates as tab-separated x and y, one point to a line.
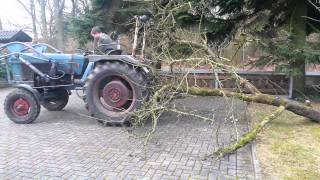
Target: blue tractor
114	85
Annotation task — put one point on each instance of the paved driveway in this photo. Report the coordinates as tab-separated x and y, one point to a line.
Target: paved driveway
69	145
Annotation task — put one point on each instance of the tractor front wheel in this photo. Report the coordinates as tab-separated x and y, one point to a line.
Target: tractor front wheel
21	106
113	91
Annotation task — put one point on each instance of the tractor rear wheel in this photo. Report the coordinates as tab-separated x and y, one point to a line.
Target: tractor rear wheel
21	106
58	102
113	91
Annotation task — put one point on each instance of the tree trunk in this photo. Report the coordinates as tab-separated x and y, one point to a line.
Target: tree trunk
31	10
75	5
108	11
298	26
59	25
50	23
34	21
295	107
44	25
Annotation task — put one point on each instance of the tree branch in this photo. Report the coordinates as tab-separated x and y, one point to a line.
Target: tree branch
25	7
250	136
295	107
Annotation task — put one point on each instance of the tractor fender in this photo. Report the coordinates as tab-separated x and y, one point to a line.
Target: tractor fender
128	59
95	59
30	89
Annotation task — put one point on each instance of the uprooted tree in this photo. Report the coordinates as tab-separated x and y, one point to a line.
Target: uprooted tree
278	27
191	33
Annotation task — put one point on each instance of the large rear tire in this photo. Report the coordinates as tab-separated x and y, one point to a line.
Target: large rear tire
58	102
21	106
113	91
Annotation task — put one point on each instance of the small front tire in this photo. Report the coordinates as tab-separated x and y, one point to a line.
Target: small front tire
21	106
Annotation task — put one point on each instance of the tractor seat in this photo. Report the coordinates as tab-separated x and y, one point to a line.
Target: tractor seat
114	52
109	49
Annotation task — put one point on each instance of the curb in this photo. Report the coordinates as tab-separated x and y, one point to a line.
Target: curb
255	161
4	84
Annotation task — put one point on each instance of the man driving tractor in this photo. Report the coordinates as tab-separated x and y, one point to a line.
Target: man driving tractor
102	41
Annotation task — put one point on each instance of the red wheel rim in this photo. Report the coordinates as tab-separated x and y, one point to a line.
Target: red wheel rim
115	96
21	107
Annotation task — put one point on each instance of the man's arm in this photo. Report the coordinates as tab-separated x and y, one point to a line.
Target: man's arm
95	42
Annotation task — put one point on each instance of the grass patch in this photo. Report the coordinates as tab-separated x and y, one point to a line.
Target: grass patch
315	132
304	175
288	148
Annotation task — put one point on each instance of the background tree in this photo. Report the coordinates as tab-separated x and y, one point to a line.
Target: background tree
74	11
59	22
43	15
113	15
51	27
31	10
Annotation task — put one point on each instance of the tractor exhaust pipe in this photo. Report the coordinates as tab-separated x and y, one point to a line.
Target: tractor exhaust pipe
34	69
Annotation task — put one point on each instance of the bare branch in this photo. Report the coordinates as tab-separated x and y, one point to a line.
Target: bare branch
25	7
310	18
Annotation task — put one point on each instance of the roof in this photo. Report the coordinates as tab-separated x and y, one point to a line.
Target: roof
14	35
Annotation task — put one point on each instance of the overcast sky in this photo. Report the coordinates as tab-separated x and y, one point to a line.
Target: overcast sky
11	13
14	16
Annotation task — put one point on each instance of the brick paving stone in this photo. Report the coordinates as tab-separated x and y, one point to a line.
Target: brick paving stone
172	167
68	145
157	177
150	172
177	172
